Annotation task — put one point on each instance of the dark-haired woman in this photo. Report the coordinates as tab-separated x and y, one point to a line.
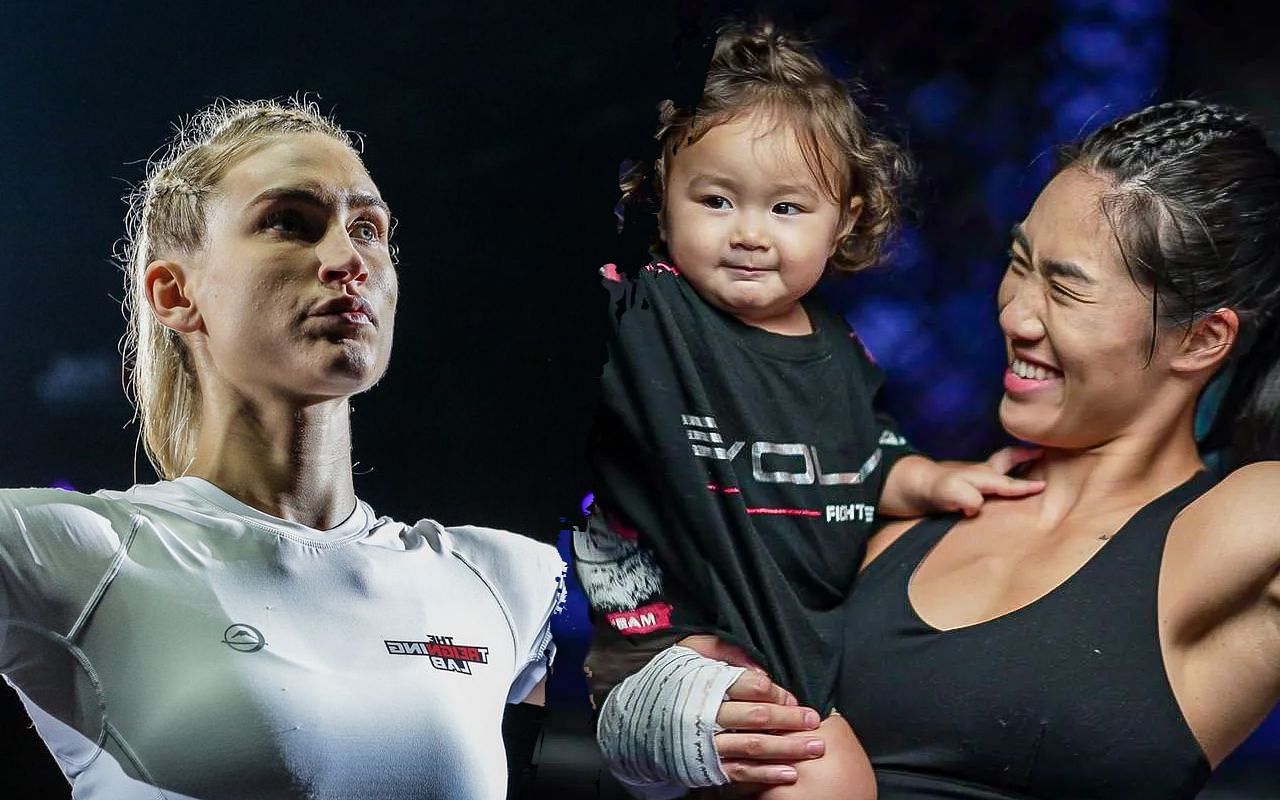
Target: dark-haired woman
1119	634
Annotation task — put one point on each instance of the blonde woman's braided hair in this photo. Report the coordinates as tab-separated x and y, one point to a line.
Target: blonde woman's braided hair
167	215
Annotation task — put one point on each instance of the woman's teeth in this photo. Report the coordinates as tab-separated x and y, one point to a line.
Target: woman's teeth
1036	373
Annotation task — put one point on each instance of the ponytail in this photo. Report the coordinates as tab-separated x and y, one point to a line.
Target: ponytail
1248	421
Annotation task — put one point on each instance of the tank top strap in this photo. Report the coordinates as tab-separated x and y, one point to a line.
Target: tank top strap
1170	504
1150	524
1137	550
908	550
879	608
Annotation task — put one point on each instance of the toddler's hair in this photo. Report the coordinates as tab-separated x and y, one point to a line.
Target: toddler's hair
761	68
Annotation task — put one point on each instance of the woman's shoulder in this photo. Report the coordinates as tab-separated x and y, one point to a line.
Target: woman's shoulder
1247	498
1235	525
886	536
517	568
1252	478
47	525
524	576
20	506
39	495
502	549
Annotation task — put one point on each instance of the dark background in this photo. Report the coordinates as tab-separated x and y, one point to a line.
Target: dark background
495	132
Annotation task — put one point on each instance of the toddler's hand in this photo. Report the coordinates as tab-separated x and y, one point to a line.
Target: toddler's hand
965	486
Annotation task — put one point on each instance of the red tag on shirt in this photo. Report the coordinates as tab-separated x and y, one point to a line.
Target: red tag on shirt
645	619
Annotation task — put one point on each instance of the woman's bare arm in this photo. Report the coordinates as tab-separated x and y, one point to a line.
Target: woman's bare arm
1220	607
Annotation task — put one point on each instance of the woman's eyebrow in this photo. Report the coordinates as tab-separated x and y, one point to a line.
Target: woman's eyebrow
1054	267
1020	238
1067	269
367	200
320	197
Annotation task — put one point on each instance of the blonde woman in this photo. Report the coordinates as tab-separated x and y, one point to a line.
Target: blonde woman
247	627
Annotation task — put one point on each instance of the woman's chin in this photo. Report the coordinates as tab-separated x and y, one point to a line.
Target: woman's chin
354	368
1025	424
344	380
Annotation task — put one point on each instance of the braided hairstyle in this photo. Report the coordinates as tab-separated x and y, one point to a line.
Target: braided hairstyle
1195	208
761	68
167	216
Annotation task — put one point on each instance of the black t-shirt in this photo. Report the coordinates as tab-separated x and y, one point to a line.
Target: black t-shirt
748	463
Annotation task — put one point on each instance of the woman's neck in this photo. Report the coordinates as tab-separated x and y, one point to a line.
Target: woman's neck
288	460
1126	472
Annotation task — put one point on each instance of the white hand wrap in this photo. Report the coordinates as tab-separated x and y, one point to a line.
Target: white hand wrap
657	727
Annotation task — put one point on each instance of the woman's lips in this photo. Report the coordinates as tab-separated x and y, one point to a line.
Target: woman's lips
350	310
354	317
1016	384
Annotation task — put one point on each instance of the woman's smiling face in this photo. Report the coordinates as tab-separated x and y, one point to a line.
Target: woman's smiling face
1078	329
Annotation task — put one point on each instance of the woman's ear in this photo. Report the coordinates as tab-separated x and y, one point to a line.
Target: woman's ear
1208	342
167	291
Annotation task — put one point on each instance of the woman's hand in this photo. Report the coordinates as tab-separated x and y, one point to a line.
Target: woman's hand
764	726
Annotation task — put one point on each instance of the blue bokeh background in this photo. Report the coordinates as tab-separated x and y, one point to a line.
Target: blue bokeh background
983	113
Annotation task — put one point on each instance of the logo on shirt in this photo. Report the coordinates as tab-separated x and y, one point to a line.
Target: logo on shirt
851	512
244	638
645	619
442	652
616	572
705	440
788	462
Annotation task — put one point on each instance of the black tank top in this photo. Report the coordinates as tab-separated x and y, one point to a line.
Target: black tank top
1066	697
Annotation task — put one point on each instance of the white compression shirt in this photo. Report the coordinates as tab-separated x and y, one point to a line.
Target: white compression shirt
172	642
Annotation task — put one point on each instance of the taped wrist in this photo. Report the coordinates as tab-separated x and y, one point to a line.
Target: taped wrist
657	728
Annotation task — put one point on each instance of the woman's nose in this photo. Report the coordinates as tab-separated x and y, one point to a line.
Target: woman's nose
1021	319
340	260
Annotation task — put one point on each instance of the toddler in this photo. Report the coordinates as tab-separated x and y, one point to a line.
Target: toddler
739	463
